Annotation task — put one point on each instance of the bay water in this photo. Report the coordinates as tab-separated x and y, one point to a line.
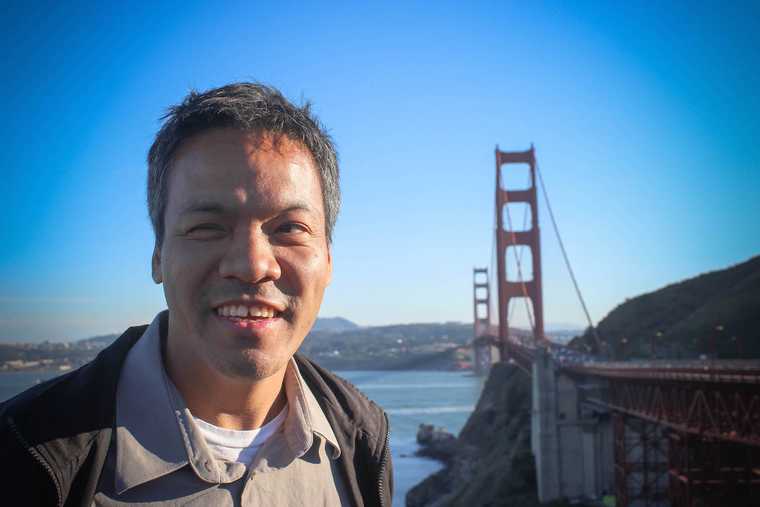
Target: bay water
410	398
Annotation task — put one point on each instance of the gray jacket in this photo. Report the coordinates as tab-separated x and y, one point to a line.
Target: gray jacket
54	437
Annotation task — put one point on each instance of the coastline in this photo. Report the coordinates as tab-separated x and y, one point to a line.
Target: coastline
490	462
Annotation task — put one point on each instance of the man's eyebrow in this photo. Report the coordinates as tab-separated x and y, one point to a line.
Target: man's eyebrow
215	207
299	206
203	207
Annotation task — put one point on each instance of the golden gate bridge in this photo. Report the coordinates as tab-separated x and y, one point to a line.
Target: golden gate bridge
683	433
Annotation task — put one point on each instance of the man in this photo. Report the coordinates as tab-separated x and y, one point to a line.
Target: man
210	404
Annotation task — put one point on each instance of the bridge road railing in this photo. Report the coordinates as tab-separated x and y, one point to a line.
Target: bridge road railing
719	400
713	399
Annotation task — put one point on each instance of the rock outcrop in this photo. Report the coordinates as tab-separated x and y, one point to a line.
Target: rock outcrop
436	443
490	463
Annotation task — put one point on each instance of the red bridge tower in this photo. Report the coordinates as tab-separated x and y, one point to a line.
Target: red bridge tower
483	339
531	289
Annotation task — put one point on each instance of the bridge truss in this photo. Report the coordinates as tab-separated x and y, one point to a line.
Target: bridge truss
706	418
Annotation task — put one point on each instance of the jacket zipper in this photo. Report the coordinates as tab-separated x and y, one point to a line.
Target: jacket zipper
384	462
38	457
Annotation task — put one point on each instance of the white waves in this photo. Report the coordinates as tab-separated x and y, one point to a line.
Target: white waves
369	387
447	409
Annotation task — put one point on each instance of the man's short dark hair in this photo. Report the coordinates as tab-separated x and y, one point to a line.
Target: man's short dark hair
248	107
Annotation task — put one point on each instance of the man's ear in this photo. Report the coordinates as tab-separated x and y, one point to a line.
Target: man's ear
329	264
155	265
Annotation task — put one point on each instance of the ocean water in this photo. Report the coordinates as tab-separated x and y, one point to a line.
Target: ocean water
12	383
410	398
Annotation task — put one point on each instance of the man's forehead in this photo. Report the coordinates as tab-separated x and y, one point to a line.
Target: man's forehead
220	172
225	158
214	205
239	142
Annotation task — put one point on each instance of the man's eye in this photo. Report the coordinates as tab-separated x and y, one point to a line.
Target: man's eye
205	231
291	228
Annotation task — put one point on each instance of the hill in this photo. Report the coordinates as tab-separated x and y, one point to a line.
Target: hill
333	324
716	312
400	346
101	341
326	324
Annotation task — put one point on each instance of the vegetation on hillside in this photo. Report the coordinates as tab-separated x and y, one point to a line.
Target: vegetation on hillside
716	313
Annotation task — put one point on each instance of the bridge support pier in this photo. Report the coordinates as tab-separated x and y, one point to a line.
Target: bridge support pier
570	437
544	432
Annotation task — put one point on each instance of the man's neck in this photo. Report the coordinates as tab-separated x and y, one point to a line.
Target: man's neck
232	403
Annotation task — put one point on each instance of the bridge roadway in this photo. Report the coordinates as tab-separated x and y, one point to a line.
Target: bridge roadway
702	370
658	432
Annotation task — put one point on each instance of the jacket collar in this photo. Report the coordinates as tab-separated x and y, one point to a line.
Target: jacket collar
361	429
156	434
148	444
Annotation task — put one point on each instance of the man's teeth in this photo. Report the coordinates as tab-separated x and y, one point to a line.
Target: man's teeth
242	311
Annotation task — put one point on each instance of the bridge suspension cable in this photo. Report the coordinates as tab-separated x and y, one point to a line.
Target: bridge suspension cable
520	277
518	259
492	270
564	255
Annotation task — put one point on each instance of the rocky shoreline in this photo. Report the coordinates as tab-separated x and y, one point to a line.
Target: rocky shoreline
436	443
490	463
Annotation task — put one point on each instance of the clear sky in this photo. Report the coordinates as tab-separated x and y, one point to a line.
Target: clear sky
645	119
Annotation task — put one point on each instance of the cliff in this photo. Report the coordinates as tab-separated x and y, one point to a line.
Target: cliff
491	463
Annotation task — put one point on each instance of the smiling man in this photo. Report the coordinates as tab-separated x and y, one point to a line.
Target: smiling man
210	404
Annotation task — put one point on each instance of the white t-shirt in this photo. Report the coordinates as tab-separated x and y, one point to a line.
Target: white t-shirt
239	445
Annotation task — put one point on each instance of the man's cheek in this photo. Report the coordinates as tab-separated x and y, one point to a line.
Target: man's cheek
309	270
188	263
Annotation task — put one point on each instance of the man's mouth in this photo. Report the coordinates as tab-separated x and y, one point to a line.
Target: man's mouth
247	312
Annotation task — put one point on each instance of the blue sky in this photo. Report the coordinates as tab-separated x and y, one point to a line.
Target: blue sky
645	120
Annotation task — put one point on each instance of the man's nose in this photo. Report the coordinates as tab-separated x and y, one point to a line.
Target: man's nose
250	259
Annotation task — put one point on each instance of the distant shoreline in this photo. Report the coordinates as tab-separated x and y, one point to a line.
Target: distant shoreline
450	359
342	367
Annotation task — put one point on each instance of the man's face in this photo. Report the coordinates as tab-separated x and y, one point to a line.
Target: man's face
245	258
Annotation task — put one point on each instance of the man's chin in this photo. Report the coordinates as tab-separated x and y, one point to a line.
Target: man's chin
251	365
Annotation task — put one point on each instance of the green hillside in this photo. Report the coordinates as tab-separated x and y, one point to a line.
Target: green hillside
716	312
